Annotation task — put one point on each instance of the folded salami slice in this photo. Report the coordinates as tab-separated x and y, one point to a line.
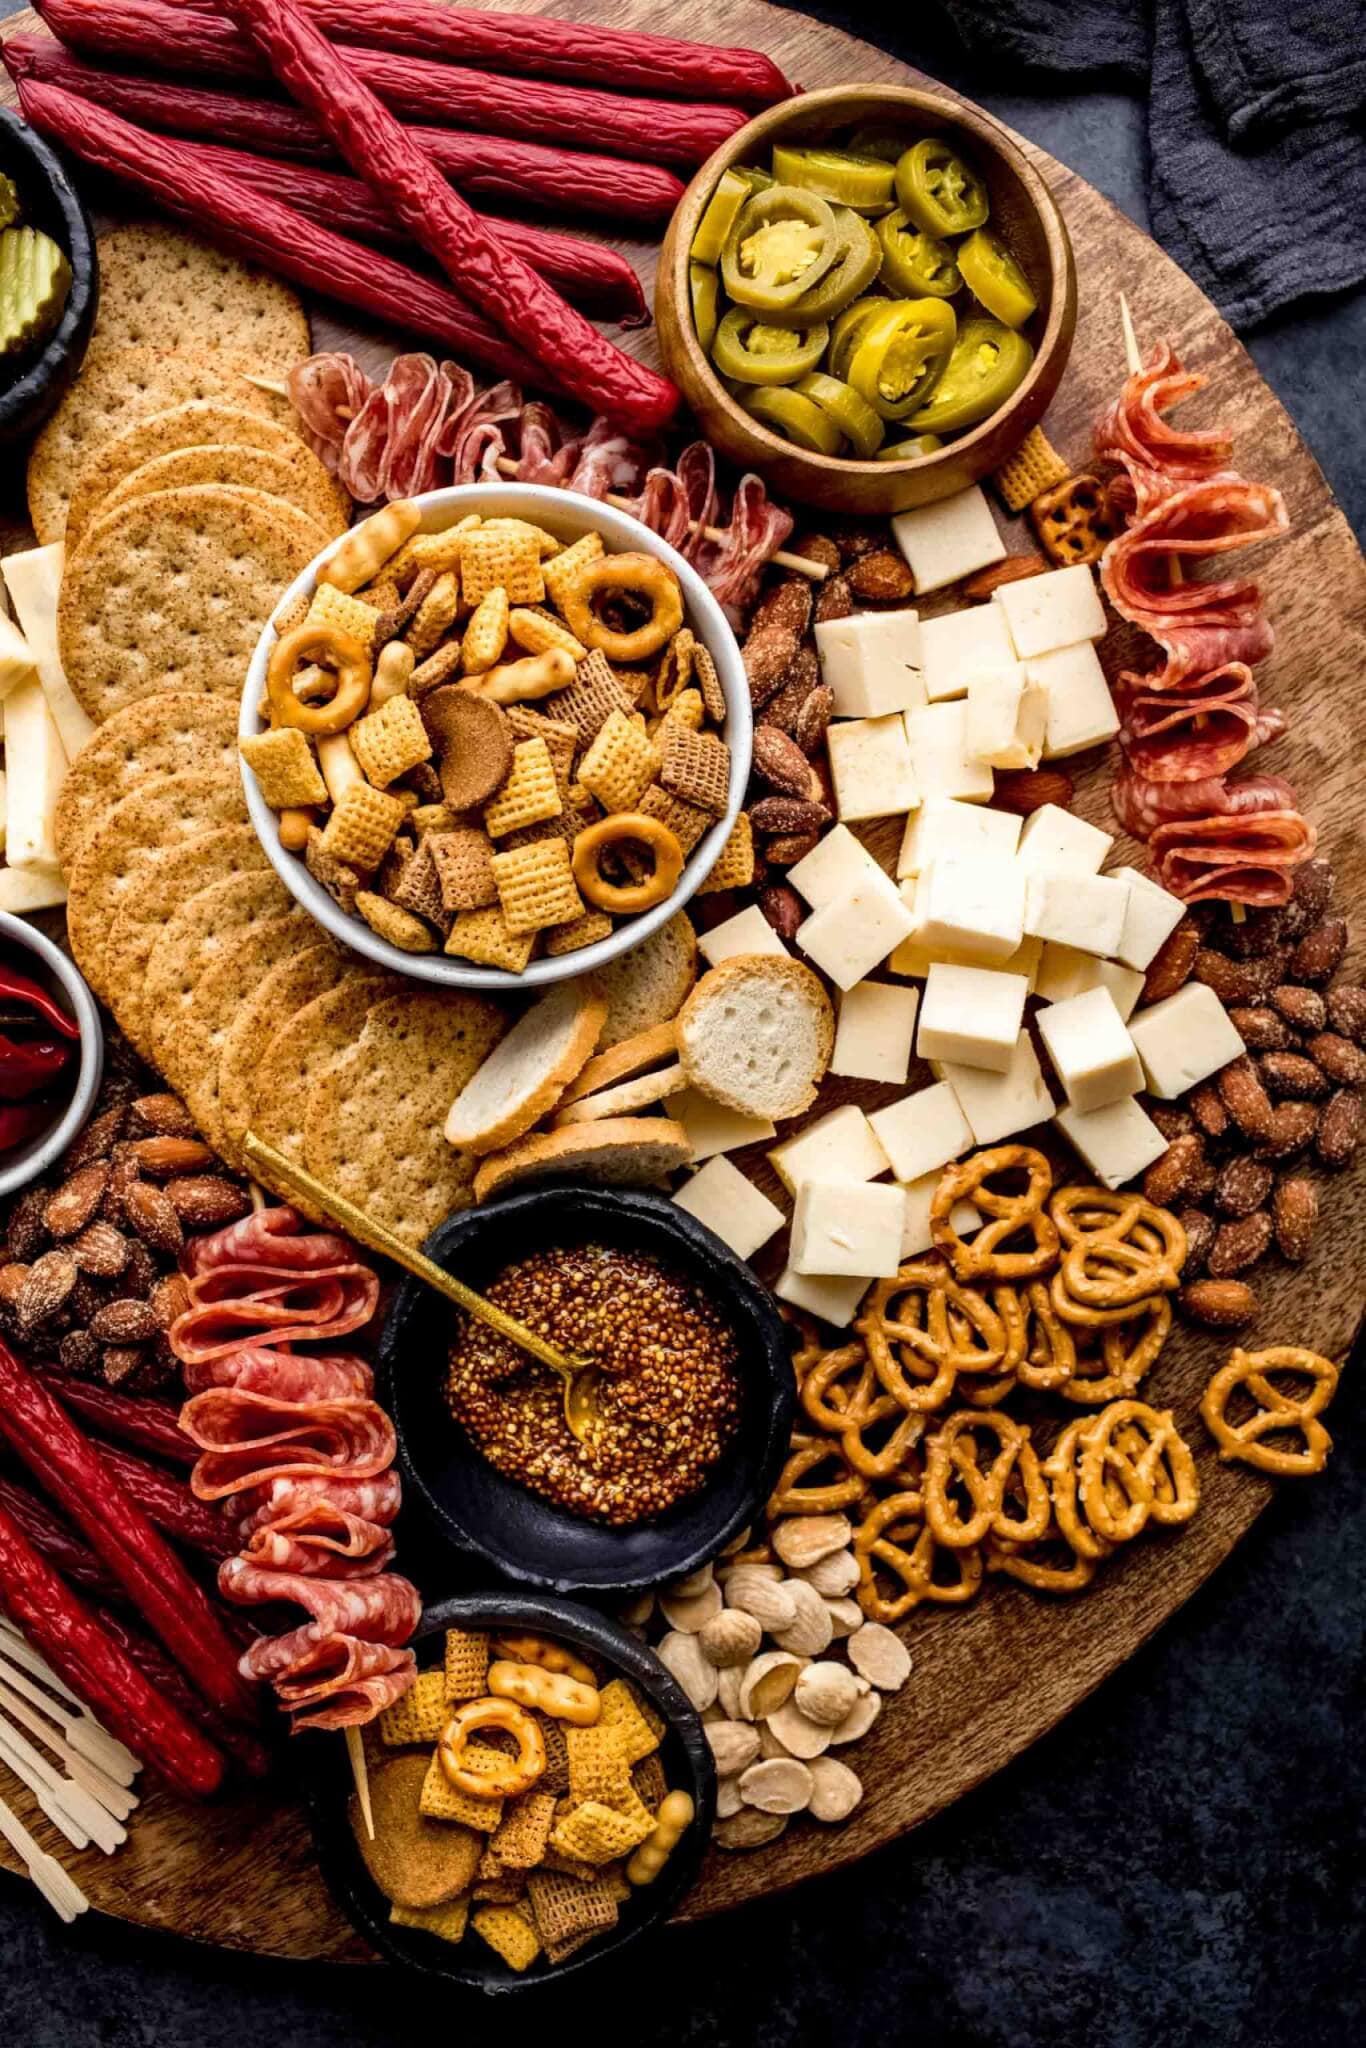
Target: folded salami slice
1203	729
285	1375
330	1680
279	1499
269	1237
247	1439
384	1609
1158	457
1142	805
258	1306
1247	858
321	1542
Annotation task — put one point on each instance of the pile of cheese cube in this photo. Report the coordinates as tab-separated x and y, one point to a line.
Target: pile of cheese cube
986	909
43	728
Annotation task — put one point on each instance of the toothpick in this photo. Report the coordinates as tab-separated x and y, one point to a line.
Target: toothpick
800	565
360	1771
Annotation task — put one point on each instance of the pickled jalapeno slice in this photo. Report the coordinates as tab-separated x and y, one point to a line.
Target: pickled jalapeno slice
749	350
913	262
995	279
854	417
718	220
911	450
782	242
852	272
939	190
704	292
897	357
987	364
797	419
840	175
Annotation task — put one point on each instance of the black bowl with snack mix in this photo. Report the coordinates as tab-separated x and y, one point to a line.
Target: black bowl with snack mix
693	1405
508	1897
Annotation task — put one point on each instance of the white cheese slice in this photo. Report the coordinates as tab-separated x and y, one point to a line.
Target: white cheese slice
17	664
971	1015
712	1128
34	582
974	908
853	933
1183	1040
846	1231
1093	1055
834	1301
870	765
1117	1143
1053	838
23	890
1064	972
832	867
958	646
1151	916
35	766
1081	711
945	828
916	1236
941	762
875	1032
923	1132
730	1206
1085	912
1006	718
948	540
1000	1105
871	663
1053	610
842	1145
749	931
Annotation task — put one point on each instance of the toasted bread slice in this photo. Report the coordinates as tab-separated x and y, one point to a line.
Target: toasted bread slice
625	1098
527	1073
624	1151
647	985
634	1055
756	1034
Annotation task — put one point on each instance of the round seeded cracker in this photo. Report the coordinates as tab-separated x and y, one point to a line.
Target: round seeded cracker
302	1049
255	469
165	288
117	385
163	735
198	423
166	883
190	944
171	592
373	1130
278	997
195	1043
165	811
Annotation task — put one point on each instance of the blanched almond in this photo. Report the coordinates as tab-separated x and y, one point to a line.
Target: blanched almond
845	1617
832	1576
748	1829
881	1656
777	1785
774	1607
731	1637
798	1736
734	1746
803	1540
835	1790
810	1629
692	1612
728	1800
825	1693
858	1721
767	1683
680	1654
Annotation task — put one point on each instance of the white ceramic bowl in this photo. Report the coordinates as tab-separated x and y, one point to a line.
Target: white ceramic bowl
567	515
29	1162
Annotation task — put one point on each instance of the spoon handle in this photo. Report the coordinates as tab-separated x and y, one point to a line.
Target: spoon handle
283	1175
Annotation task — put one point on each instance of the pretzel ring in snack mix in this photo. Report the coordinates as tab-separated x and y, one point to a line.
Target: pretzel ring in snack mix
635	827
1060	1470
979	1258
1250	1372
522	1771
791	1497
1127	1355
951	1463
641	576
675	670
332	649
917	1349
1134	1466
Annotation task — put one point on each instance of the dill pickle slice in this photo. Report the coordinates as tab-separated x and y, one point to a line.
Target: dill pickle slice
35	278
867	183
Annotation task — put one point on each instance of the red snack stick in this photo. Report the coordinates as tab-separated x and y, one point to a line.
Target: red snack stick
486	166
132	1418
59	1624
244	1749
169	1505
264	232
179	38
70	1468
57	1541
569	348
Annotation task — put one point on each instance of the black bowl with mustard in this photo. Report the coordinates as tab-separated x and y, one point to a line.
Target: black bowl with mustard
644	1462
587	1813
49	284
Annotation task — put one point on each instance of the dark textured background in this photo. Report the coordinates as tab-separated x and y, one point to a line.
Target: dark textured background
1180	1863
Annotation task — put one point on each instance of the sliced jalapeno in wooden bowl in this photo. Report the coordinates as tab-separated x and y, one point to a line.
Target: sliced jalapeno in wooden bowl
783	242
749	350
898	354
995	279
939	189
799	420
843	175
854	417
915	264
988	362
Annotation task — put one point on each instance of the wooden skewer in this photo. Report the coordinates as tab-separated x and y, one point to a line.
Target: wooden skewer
62	1893
360	1772
800	565
115	1799
101	1749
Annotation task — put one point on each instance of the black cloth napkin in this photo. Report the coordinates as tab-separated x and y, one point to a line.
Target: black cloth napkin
1256	127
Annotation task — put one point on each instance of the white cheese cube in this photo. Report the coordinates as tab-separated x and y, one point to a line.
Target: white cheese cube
839	1146
1053	838
875	1032
24	890
1183	1040
1053	610
941	763
1000	1105
847	1231
1081	711
1151	916
948	540
870	765
944	828
923	1132
971	1015
832	867
834	1301
1085	912
1006	718
35	768
34	582
1092	1053
730	1206
958	646
712	1128
974	908
916	1236
1116	1142
1064	972
749	931
871	663
915	959
853	933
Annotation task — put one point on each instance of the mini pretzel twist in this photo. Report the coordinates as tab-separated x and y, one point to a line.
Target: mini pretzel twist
853	1411
881	1540
1060	1470
1129	1349
1275	1413
796	1494
1010	1216
1135	1467
951	1466
1050	1354
641	575
917	1347
521	1772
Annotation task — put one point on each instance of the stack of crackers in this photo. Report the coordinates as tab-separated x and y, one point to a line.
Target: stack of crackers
540	1874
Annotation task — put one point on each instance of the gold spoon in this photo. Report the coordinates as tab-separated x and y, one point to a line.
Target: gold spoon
579	1375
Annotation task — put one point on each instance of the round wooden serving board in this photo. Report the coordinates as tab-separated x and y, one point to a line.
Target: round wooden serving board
990	1679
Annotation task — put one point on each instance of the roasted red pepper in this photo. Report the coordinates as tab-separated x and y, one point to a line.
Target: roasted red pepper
21	988
32	1059
27	1066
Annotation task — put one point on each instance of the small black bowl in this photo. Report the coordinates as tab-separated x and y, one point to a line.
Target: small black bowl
684	1753
32	383
521	1534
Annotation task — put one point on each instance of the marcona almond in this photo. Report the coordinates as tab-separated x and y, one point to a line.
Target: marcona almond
728	1690
695	1582
768	1683
881	1656
803	1540
845	1616
825	1693
858	1721
680	1655
811	1629
831	1576
777	1785
774	1607
798	1736
690	1613
734	1746
728	1800
835	1789
749	1829
730	1638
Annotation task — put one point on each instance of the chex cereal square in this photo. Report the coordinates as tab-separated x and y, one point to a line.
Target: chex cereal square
734	867
536	885
282	762
620	764
440	1800
463	863
584	931
493	558
361	828
350	615
483	936
509	1933
695	766
530	793
592	697
390	741
563	572
419	1715
466	1663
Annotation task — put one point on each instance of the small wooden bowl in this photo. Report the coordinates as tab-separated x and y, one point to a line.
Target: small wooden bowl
1021	207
